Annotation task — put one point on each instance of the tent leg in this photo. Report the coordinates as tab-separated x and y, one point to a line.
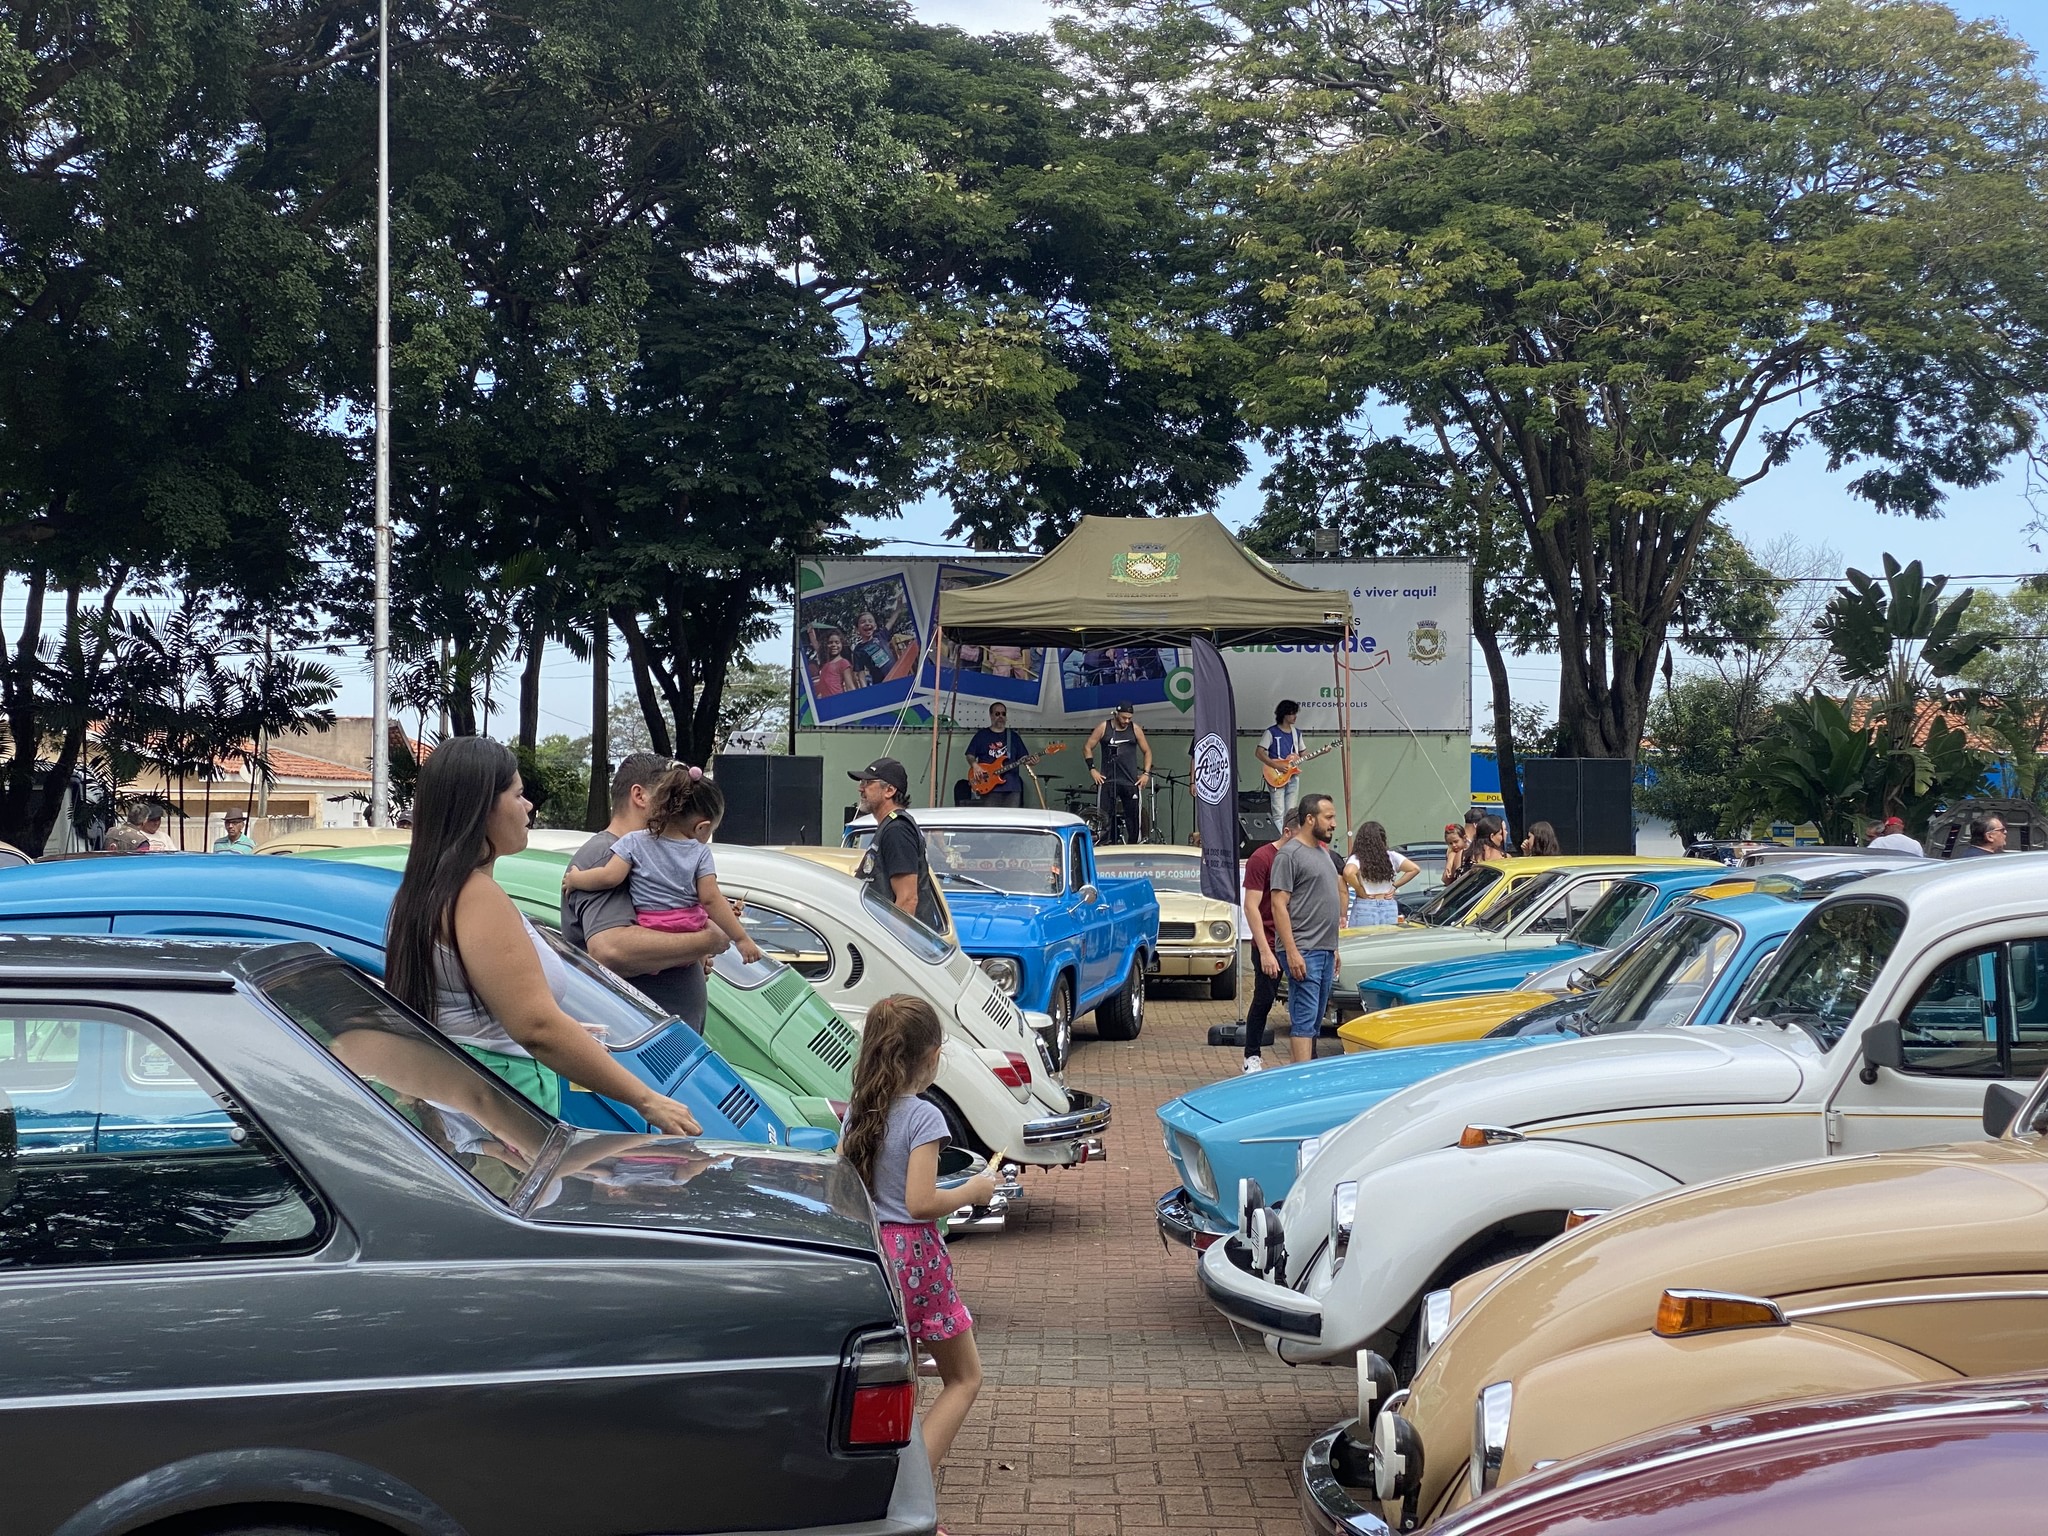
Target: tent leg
1344	719
938	651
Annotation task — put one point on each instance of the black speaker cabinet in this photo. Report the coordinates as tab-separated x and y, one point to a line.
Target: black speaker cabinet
771	799
1259	828
1588	801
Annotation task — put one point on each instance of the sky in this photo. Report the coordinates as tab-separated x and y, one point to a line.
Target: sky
1983	539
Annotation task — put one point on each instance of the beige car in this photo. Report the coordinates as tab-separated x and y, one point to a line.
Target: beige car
1889	1270
1197	934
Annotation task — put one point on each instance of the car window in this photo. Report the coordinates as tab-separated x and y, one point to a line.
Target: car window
1005	859
930	947
599	997
2026	988
1533	897
1667	979
138	1155
796	944
1615	914
1951	1027
1450	904
470	1114
1828	966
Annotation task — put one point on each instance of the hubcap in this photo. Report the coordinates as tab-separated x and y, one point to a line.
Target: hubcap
1062	1029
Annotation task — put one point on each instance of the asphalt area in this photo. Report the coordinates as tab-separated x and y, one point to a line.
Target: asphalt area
1115	1399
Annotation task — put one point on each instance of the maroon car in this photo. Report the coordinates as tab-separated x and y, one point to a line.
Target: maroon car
1966	1456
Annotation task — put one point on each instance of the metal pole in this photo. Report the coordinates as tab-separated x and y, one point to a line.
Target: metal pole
380	640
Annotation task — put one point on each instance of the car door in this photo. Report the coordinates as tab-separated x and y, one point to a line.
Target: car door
1975	1016
1093	918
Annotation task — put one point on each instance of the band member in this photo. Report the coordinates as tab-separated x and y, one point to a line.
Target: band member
1281	746
1120	778
999	744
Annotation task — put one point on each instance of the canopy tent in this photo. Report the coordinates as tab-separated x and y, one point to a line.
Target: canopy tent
1122	581
1126	581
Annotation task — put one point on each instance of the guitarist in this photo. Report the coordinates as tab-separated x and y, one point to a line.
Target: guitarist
1281	748
998	747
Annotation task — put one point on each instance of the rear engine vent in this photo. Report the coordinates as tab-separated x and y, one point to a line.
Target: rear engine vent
739	1105
833	1045
664	1053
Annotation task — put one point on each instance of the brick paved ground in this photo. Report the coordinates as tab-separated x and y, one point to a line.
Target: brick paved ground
1116	1400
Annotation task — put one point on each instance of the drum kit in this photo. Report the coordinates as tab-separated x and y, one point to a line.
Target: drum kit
1085	801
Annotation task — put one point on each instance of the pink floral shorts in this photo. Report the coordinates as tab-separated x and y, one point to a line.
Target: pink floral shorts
925	1271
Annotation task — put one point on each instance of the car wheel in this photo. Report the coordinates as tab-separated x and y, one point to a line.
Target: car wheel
1224	986
233	1527
1498	1251
1060	1045
958	1131
1122	1016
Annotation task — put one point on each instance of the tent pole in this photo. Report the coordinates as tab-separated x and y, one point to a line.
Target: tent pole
938	651
1344	717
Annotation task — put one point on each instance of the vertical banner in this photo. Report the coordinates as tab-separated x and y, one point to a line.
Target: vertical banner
1215	773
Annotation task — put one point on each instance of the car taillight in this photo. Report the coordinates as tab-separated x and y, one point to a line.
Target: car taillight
880	1391
1017	1074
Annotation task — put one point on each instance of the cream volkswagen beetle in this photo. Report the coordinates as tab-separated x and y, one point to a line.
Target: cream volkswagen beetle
1876	1025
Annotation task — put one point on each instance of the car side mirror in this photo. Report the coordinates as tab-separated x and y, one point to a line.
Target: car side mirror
2002	1104
1577	981
1090	895
1883	1046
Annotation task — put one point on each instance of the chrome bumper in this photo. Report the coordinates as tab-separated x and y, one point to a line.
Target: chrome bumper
1192	962
1244	1298
1332	1466
1087	1117
1181	1222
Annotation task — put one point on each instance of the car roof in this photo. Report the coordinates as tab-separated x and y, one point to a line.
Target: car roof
74	957
1754	913
2001	876
176	881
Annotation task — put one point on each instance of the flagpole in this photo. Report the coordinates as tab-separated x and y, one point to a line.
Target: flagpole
380	641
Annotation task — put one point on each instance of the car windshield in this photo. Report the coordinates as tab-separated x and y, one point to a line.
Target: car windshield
933	948
1513	909
1166	871
1002	859
1827	967
1614	916
1450	904
1665	980
472	1115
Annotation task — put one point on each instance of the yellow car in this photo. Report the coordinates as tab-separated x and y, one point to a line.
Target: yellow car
1197	934
1451	1018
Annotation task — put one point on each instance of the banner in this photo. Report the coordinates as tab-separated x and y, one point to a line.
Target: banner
864	627
1215	773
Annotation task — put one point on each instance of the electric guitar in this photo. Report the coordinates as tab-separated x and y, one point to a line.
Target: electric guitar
986	778
1288	769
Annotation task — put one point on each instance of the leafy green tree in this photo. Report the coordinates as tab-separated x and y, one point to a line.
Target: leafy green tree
1820	766
2012	682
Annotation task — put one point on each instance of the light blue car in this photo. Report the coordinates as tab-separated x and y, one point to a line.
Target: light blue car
1628	907
1687	969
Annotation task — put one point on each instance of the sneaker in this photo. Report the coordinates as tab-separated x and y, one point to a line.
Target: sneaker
1253	1064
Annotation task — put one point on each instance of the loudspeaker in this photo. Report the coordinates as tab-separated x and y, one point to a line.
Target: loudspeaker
1259	828
771	799
1588	801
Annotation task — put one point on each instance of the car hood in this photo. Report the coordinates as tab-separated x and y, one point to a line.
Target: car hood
1973	1208
1478	972
1187	907
717	1188
1446	1019
977	912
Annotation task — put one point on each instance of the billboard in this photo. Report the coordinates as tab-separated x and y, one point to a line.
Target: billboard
864	629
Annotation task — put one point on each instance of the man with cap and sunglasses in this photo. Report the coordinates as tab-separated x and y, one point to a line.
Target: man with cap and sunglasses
896	865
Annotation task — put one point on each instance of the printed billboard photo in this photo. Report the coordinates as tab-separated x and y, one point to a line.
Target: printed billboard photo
1092	681
1009	672
859	647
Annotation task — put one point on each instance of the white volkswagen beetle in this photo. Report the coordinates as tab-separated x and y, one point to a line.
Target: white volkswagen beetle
1876	1025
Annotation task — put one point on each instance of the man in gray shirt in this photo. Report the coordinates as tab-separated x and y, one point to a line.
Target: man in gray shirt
666	966
1308	909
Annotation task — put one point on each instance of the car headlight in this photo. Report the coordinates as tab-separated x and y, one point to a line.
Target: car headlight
1436	1322
1004	972
1343	1212
1196	1161
1219	931
1305	1153
1490	1411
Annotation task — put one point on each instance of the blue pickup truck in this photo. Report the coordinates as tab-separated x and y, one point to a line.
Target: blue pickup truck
1028	904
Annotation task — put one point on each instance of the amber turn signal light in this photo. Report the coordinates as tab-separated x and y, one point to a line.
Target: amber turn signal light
1488	1136
1680	1313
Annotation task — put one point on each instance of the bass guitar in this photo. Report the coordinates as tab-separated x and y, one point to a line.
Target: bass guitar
1289	768
986	778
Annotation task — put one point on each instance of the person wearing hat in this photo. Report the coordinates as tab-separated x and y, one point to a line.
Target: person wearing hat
1892	838
1119	779
896	866
237	839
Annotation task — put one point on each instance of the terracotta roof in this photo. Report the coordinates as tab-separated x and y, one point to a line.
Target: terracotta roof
287	764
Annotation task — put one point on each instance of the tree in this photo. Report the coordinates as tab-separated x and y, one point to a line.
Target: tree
1630	258
2012	682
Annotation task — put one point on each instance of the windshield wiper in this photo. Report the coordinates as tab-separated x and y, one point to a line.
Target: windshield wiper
950	878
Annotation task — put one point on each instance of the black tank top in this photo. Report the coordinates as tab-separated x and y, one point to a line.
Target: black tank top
1120	752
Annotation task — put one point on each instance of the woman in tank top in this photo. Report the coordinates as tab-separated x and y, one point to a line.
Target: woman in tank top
458	951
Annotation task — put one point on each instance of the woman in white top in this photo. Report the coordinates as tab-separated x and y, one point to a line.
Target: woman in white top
1373	874
459	953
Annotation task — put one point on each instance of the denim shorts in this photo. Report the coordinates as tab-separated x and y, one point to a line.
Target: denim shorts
1309	999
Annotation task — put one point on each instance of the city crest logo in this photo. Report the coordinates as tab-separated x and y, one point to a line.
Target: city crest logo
1145	568
1426	643
1212	769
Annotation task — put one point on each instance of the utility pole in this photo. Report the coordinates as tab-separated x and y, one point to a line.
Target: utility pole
380	638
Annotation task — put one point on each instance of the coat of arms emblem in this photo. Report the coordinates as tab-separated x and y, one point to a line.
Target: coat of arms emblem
1426	643
1145	568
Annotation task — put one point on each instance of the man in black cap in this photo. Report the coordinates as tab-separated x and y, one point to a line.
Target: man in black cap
1119	779
896	866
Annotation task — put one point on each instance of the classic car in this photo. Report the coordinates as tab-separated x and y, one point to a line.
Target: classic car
1848	1274
1971	1450
1198	935
1538	906
342	1247
1000	1097
1622	907
1267	1126
1876	1025
1055	934
1429	860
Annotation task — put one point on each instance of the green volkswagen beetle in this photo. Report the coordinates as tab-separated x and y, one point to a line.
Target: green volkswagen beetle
790	1045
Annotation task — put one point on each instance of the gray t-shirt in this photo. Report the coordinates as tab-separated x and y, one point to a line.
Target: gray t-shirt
680	989
913	1123
665	870
1315	896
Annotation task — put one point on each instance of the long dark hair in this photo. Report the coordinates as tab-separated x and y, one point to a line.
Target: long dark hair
1488	828
459	783
897	1040
1543	839
1369	847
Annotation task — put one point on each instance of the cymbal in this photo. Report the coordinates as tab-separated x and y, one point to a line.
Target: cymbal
1048	777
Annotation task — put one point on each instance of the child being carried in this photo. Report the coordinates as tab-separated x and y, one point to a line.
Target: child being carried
673	882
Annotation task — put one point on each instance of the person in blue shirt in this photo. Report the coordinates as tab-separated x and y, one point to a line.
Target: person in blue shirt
998	743
237	839
1280	747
